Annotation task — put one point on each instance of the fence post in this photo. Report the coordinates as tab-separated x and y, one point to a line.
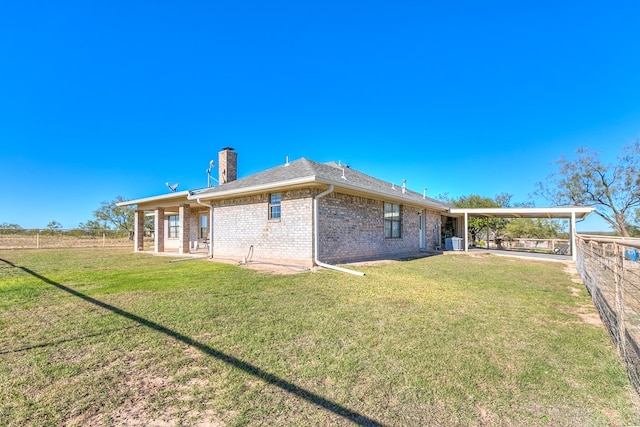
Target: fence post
38	239
618	271
103	239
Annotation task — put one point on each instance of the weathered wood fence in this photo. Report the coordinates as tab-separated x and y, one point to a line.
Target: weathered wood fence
11	238
610	269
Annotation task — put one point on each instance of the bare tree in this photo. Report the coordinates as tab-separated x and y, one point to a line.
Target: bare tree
612	189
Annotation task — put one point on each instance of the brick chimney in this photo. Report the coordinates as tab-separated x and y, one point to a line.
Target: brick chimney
227	165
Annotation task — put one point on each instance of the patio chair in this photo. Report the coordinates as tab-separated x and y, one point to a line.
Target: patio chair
562	249
203	242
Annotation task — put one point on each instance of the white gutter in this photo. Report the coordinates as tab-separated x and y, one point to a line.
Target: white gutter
316	239
252	189
162	197
313	179
402	198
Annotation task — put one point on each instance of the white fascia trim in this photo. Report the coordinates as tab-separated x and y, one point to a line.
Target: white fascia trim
385	196
552	212
313	179
252	189
310	180
163	197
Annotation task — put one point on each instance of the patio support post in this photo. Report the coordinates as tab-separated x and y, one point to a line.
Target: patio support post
488	232
572	233
138	231
184	232
158	225
466	232
211	231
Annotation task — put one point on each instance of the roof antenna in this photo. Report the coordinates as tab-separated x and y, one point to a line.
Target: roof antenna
286	163
172	187
209	177
404	186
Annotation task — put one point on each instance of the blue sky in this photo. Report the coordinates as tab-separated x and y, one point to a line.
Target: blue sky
99	99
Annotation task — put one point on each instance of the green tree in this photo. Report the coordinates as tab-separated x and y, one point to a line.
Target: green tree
10	226
477	225
612	189
534	228
113	216
92	225
54	225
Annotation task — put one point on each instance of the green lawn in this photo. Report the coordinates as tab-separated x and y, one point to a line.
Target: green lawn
107	337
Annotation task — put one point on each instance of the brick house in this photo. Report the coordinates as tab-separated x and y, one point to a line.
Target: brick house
304	211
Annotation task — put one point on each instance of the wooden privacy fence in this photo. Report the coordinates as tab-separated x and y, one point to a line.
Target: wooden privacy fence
610	269
11	238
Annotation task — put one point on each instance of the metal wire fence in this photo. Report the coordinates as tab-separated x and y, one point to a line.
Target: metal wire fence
610	270
22	238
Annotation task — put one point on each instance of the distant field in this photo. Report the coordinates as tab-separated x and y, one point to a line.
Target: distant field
99	336
32	239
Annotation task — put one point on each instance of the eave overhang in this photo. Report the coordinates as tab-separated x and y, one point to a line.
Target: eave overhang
580	212
342	186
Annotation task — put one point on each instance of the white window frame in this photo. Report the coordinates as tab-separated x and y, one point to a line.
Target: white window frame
392	220
275	206
173	226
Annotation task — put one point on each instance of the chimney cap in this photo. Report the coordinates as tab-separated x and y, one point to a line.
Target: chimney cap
227	149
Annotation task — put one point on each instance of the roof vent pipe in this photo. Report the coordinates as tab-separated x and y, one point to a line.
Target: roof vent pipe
424	193
404	186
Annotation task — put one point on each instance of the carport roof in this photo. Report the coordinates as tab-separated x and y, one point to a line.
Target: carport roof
549	212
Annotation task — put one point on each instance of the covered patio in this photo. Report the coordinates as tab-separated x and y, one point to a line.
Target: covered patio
180	225
572	213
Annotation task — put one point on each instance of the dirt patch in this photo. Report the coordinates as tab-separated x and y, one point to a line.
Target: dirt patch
572	271
268	266
485	418
372	263
278	268
587	314
291	267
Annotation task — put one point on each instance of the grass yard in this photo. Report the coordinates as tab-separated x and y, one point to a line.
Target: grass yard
108	337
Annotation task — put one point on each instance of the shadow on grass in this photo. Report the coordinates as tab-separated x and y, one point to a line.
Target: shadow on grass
267	377
54	343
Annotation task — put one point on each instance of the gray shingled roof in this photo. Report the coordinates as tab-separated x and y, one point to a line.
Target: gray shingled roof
327	173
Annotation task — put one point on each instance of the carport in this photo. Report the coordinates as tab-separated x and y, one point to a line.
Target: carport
572	213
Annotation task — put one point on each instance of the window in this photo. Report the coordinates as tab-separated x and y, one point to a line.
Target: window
204	226
392	221
274	205
174	226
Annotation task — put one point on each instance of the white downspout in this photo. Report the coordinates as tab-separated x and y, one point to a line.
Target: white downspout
316	243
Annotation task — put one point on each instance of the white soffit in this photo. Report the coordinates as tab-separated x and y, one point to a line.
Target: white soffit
551	212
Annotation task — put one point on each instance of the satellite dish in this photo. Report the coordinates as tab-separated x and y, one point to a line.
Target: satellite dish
172	187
